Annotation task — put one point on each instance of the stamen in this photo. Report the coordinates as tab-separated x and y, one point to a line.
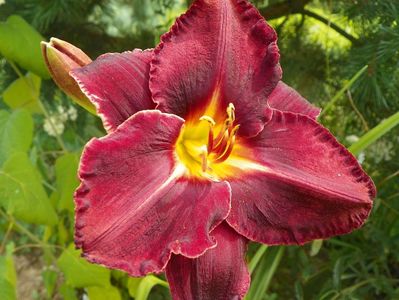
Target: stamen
204	157
229	147
209	119
211	123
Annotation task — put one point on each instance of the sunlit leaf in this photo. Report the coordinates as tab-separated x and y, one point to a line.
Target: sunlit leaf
133	285
264	273
374	134
103	293
80	273
22	193
7	291
50	280
66	175
8	276
140	288
24	93
315	247
16	133
67	292
20	42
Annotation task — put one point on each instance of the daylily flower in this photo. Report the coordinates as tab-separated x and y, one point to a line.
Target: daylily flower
206	150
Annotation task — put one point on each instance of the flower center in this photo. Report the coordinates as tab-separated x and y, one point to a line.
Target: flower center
203	144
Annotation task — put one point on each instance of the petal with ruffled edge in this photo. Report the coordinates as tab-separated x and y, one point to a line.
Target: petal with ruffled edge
117	84
134	208
221	273
220	51
298	183
285	98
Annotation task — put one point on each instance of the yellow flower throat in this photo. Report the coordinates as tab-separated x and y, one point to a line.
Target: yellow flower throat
203	145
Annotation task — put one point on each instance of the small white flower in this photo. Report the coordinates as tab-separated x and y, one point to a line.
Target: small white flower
352	138
72	113
2	2
53	126
361	157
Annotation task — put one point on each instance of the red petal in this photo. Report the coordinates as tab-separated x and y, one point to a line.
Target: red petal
219	47
134	208
304	186
221	273
117	84
285	98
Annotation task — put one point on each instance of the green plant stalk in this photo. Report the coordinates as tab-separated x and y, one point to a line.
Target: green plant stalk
255	260
45	112
265	271
342	91
374	134
25	231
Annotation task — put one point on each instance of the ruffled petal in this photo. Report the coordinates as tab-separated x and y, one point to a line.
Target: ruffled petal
219	274
117	84
285	98
134	207
220	51
302	184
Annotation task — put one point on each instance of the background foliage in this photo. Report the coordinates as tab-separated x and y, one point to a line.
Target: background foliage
342	55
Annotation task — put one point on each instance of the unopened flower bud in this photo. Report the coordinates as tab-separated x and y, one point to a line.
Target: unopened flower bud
61	58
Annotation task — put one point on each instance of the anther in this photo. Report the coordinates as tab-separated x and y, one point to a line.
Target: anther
209	119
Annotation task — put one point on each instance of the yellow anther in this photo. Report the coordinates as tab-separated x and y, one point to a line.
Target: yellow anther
209	119
231	112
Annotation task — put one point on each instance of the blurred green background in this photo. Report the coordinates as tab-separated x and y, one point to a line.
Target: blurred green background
342	55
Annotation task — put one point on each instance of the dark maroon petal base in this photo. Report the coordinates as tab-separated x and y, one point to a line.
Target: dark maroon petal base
219	274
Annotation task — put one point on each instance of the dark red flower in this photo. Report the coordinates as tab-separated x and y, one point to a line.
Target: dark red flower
206	150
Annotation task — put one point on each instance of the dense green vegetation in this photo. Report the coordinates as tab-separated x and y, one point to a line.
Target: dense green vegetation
342	55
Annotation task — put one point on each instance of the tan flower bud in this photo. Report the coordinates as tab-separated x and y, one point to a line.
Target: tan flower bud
61	58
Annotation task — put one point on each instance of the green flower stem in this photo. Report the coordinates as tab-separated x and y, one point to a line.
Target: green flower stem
342	91
3	243
42	107
25	231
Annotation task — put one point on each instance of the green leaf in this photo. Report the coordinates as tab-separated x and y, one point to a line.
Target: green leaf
20	43
342	91
264	273
50	281
374	134
140	288
67	292
66	168
255	260
7	268
24	93
16	133
22	193
133	285
8	276
315	248
80	273
103	293
7	291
